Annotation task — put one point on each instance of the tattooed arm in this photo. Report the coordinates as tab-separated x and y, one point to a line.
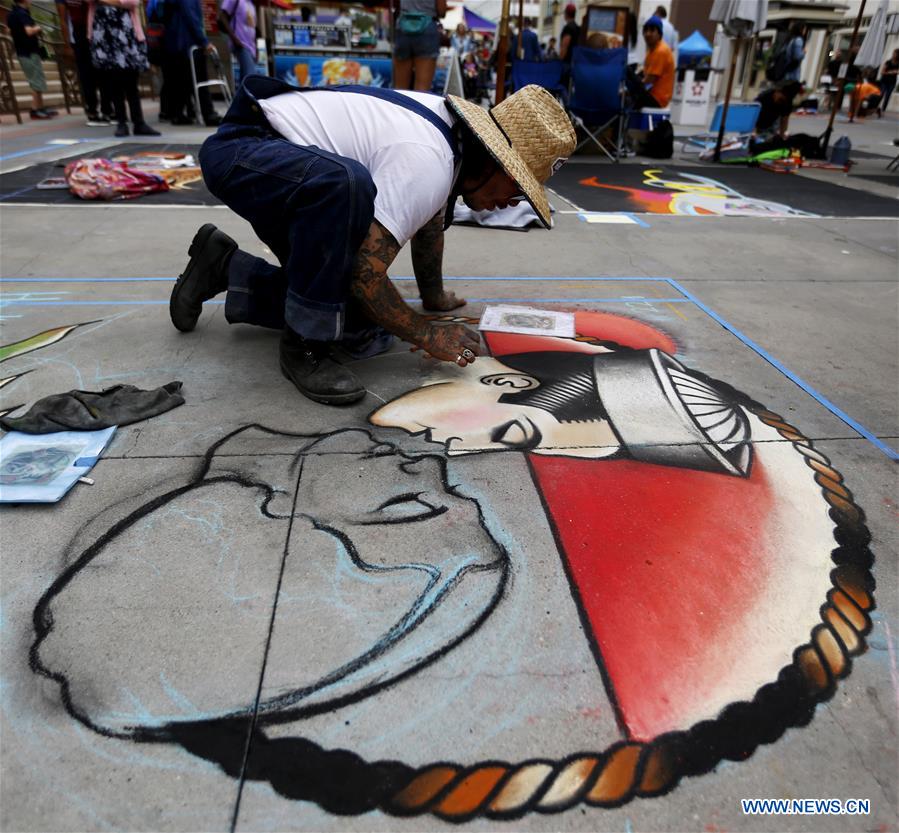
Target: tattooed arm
427	261
384	305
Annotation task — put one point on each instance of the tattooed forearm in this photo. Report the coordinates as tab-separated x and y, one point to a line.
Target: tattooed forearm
427	259
377	295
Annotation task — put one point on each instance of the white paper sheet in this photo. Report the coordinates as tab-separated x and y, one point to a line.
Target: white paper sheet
528	321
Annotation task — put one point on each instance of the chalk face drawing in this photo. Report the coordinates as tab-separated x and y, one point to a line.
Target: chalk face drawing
37	466
412	559
709	637
695	195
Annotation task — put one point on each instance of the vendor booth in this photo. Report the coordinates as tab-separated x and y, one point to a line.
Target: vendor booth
349	49
692	89
352	48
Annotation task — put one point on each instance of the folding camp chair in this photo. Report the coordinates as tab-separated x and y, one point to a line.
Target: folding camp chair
546	74
741	119
895	162
597	101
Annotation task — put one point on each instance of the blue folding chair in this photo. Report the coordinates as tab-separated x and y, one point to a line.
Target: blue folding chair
546	74
741	119
597	101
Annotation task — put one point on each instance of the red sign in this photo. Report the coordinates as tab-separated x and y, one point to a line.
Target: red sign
210	17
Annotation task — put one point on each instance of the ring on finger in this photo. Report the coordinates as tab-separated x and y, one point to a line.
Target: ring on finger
468	354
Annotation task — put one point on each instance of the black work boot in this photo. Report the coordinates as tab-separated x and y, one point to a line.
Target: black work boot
310	367
206	275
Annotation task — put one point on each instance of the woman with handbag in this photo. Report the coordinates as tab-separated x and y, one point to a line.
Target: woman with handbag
417	44
119	52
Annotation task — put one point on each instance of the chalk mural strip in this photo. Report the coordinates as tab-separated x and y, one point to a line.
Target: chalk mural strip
710	639
38	341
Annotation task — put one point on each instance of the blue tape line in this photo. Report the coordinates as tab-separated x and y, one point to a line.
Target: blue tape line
629	299
16	193
87	303
84	280
639	221
626	300
837	412
19	153
42	148
553	279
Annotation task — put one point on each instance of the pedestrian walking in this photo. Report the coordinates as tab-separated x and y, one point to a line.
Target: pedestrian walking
29	51
119	53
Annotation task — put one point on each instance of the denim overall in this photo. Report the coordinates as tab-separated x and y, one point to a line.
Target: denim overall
312	208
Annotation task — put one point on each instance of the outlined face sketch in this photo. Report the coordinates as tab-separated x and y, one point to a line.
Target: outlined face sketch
374	548
497	405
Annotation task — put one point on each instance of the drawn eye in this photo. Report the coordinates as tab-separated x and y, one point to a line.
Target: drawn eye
517	434
515	381
403	509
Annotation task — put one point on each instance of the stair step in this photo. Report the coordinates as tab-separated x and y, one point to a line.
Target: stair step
50	100
50	71
54	85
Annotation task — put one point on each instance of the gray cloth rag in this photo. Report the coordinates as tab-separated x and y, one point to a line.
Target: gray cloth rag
83	410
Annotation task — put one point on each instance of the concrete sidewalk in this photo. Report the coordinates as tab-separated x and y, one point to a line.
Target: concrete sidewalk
271	615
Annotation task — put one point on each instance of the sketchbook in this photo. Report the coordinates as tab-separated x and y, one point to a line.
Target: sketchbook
41	468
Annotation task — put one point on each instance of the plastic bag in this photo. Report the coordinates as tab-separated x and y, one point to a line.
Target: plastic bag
100	179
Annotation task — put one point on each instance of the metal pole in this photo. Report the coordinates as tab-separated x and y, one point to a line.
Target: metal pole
730	86
841	78
502	50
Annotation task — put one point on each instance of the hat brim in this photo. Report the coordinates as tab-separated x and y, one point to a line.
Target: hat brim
485	128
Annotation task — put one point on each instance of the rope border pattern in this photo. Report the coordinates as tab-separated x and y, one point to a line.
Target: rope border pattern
625	770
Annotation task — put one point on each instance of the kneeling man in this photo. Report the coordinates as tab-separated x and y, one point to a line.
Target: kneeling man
335	181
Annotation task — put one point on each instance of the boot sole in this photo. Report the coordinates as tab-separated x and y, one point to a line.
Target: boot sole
324	399
200	239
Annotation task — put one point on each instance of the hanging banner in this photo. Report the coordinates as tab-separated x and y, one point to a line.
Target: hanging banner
210	17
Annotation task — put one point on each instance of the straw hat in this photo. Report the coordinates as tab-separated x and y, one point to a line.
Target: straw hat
528	134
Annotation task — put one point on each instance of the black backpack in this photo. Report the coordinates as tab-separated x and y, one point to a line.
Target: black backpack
659	143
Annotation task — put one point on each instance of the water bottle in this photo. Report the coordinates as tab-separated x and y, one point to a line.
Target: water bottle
840	153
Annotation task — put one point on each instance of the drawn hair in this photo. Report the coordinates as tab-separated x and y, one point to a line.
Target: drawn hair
567	388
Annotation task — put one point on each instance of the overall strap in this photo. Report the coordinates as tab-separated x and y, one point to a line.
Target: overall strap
410	104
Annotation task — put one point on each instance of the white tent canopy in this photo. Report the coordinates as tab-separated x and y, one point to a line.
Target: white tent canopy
870	54
740	18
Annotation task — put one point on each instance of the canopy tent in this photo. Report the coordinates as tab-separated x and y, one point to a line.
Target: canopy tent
476	23
695	46
740	18
871	52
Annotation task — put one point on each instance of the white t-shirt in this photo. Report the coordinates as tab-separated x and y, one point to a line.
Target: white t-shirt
408	158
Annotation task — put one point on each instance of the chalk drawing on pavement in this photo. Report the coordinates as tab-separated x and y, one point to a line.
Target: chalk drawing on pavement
711	635
695	195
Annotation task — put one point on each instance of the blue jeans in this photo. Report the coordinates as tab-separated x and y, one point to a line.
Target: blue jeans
312	208
245	61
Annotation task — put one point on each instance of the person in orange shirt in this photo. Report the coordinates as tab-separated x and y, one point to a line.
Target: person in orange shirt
658	69
865	97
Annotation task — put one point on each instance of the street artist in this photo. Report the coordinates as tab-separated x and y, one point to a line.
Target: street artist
335	181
